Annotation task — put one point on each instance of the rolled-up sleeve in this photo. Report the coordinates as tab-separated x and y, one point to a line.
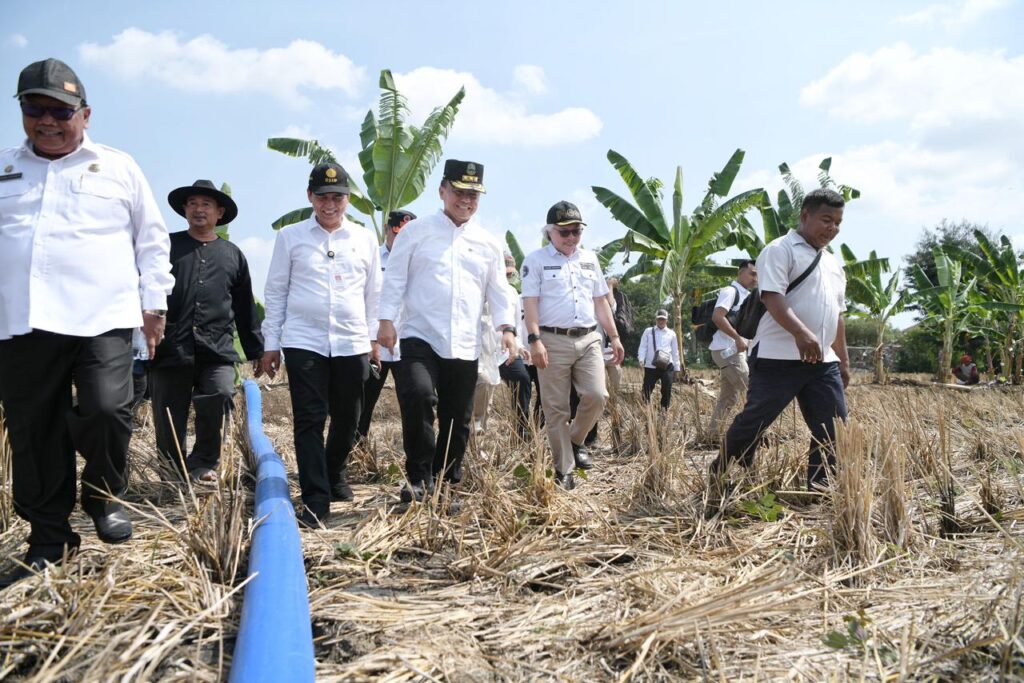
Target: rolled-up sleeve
396	277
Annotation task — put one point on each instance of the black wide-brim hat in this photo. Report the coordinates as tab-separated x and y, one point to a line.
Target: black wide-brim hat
178	197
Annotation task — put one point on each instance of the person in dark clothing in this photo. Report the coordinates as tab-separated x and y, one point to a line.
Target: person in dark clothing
195	363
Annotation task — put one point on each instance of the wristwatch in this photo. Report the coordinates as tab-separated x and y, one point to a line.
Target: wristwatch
530	338
160	313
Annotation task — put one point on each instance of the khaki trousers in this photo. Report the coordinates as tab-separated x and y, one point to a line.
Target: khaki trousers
734	374
572	361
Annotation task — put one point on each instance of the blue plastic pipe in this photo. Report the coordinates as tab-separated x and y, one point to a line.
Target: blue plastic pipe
275	635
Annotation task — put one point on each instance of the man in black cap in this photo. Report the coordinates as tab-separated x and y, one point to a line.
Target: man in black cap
321	302
81	242
388	357
195	363
440	275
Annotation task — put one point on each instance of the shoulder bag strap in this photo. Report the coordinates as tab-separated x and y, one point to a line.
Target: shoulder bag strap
803	276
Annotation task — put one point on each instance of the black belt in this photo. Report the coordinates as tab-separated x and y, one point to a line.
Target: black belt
569	331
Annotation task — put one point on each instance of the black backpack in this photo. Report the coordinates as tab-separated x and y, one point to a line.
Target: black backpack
748	317
624	319
701	314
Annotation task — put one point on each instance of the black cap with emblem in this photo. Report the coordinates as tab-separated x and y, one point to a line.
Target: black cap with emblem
53	78
327	178
464	175
398	216
564	213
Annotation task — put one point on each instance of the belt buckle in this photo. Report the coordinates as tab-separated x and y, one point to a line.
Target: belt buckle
575	331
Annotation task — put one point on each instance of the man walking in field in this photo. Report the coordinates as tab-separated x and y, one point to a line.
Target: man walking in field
799	350
728	348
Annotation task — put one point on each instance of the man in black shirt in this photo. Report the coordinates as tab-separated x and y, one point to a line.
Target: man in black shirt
212	290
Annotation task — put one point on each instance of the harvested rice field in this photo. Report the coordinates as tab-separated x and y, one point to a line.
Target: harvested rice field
909	568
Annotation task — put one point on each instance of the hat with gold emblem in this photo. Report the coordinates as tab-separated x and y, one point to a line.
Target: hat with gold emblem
564	213
53	78
464	175
179	196
328	178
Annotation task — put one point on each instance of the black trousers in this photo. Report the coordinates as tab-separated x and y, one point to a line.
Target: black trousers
210	387
425	382
322	386
517	377
371	392
37	371
818	390
651	377
538	412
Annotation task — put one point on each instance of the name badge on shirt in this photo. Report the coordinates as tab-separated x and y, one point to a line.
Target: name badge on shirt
587	266
552	267
10	176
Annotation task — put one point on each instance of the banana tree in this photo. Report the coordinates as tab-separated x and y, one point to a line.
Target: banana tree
670	251
871	298
1000	276
946	304
397	157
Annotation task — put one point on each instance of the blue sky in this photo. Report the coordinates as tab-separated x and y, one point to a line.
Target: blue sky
920	104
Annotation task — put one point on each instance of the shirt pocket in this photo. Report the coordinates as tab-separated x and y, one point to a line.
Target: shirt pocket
14	209
99	204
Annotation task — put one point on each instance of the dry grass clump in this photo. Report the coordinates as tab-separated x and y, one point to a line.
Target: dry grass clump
623	578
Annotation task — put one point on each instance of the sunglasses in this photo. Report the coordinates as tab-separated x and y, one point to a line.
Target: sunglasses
34	111
567	232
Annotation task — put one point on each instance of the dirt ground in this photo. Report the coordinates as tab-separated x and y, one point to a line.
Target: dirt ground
908	568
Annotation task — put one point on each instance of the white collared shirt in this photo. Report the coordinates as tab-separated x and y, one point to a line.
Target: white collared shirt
565	286
663	340
443	274
818	301
386	355
728	299
80	238
318	302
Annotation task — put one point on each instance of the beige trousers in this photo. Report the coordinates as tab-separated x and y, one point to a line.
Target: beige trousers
734	375
571	361
482	402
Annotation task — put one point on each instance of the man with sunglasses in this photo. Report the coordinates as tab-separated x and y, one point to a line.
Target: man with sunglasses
83	261
565	297
440	276
321	312
388	357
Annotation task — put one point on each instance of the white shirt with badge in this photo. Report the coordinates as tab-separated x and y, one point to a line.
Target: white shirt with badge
566	286
387	356
439	276
80	238
323	289
730	299
818	301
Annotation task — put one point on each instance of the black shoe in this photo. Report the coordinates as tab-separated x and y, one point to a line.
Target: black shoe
567	481
310	520
113	525
582	456
32	564
341	491
417	491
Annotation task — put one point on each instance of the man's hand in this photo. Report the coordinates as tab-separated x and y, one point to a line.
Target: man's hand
618	352
539	355
810	349
386	335
508	343
270	362
741	345
257	367
524	353
153	330
844	372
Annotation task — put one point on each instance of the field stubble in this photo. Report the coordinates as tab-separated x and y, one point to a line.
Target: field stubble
910	568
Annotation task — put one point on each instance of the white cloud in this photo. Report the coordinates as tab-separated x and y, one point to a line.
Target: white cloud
953	14
206	65
532	78
934	92
488	116
17	40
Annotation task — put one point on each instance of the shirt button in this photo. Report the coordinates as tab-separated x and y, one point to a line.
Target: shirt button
200	282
